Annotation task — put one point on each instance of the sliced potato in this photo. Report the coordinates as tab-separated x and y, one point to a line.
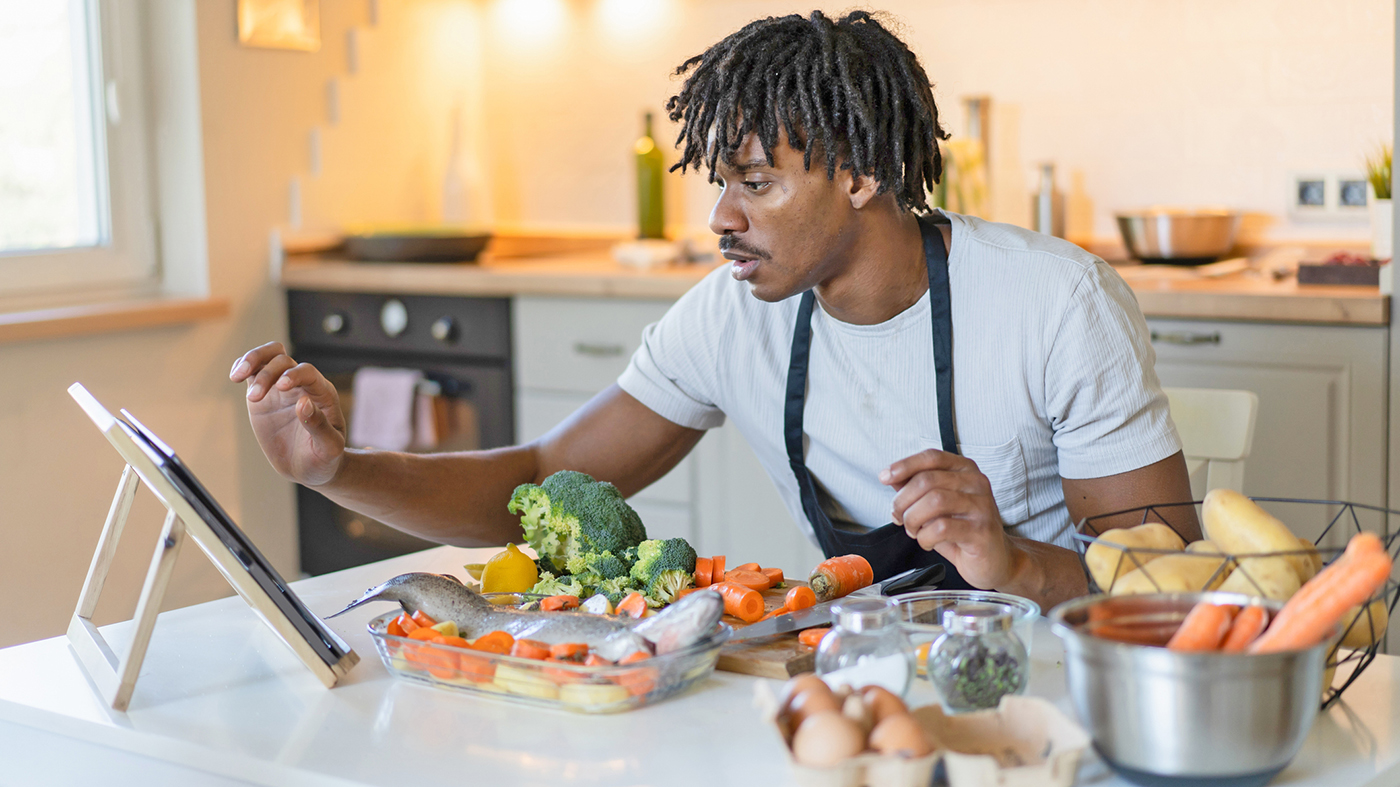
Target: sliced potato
1107	563
1201	568
592	695
1240	527
525	682
1270	577
1368	628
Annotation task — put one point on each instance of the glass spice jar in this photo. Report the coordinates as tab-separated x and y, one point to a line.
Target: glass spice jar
867	647
978	659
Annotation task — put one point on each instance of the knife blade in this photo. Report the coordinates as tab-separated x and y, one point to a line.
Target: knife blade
821	614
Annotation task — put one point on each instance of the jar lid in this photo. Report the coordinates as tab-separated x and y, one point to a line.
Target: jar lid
864	614
976	619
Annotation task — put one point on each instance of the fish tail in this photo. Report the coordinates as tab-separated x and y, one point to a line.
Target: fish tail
380	593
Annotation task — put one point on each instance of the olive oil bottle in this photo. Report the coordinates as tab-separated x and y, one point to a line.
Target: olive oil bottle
651	213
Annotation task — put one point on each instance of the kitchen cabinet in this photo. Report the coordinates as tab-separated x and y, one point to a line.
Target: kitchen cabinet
719	498
1320	433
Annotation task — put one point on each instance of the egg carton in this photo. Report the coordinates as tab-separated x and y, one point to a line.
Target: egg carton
1024	742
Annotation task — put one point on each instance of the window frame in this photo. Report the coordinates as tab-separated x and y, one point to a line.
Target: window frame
127	264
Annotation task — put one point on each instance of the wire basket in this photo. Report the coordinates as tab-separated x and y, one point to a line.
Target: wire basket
1129	569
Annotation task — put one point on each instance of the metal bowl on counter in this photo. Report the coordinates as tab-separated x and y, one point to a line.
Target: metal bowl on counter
1178	236
1162	717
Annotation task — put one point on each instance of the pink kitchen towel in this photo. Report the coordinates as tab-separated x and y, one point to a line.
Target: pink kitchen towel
382	413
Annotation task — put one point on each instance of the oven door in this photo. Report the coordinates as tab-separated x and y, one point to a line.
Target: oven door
474	411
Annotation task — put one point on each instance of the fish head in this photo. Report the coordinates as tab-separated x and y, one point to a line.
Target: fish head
683	623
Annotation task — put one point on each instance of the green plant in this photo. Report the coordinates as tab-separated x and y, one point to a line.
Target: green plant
1378	172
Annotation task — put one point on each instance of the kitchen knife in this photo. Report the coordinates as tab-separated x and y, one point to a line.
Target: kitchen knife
821	615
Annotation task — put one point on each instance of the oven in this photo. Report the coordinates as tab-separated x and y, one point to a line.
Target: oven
460	345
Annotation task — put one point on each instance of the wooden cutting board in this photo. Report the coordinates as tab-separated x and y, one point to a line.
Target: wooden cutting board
780	656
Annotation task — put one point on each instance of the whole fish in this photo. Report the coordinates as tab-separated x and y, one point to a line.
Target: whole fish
443	597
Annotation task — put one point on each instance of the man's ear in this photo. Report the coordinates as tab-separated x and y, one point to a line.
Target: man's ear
863	189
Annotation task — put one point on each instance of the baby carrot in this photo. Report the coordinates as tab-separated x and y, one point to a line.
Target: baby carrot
716	569
1248	625
556	603
741	602
395	627
839	576
775	576
421	618
702	572
800	597
749	579
1202	630
1310	616
635	605
813	637
530	649
747	567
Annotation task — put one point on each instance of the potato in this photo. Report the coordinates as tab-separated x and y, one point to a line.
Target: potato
1201	567
1270	577
1314	558
1240	527
1107	563
1367	629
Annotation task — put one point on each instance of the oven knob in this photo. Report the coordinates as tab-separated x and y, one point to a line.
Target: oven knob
393	317
334	323
444	329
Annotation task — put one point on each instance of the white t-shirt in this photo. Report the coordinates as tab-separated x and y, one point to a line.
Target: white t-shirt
1052	377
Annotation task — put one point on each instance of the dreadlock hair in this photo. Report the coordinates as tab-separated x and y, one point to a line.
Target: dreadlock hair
849	88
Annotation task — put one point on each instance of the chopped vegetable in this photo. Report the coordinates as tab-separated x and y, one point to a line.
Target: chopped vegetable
1319	606
439	663
813	637
634	605
840	576
421	618
495	642
637	681
776	612
747	567
1203	629
594	660
1246	628
400	626
570	514
556	603
716	569
447	628
569	651
756	580
702	572
664	567
743	603
775	577
597	604
424	633
800	597
530	649
550	585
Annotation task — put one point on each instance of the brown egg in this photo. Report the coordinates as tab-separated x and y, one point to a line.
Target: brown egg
855	709
900	734
826	739
882	702
809	694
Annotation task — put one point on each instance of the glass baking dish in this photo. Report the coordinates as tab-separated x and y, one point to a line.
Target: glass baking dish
548	684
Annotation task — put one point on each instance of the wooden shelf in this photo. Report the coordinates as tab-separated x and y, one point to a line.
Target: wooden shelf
108	317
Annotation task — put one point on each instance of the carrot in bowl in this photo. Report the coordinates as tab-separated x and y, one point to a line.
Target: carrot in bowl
1203	629
840	576
1248	625
530	649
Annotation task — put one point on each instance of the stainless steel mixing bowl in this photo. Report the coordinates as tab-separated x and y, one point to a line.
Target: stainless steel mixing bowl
1178	235
1160	717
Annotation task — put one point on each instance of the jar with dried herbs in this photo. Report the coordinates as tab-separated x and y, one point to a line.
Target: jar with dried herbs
978	659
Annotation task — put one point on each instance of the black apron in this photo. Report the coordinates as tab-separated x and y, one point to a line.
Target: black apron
889	549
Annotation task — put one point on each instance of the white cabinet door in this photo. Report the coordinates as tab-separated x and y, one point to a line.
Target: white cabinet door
1322	392
577	344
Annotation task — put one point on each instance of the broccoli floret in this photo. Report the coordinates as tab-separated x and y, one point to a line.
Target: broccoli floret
595	567
550	585
571	515
664	568
616	589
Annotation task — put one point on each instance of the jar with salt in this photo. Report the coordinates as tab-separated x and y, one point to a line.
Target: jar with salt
867	647
978	659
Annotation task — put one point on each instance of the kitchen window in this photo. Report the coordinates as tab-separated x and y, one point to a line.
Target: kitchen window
75	201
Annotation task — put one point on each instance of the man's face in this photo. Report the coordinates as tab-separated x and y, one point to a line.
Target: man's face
784	227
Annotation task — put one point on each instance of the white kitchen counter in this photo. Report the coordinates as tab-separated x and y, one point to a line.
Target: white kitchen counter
221	698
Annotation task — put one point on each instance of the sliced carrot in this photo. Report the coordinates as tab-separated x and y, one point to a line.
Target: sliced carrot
743	603
556	603
442	664
569	651
1202	630
421	618
637	681
702	572
530	649
716	569
775	576
800	597
748	567
406	624
562	675
1320	605
813	637
476	666
594	660
423	633
775	613
749	579
1248	625
635	605
683	592
495	642
396	629
840	576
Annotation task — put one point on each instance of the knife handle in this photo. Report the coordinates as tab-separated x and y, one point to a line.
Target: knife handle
914	579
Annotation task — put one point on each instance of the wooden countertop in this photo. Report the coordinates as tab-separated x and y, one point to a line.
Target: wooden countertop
1242	296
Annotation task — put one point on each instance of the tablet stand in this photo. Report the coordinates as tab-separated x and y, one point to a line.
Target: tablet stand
115	676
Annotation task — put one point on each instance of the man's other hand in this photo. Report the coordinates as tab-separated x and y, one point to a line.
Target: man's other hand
295	413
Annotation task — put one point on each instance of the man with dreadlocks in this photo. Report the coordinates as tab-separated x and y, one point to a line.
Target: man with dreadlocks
980	384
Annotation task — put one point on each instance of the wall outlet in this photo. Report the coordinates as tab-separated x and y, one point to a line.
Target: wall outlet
1328	196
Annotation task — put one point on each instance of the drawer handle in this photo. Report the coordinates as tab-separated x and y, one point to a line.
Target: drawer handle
1186	338
599	350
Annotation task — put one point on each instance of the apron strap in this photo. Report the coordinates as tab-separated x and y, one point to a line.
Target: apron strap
940	304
